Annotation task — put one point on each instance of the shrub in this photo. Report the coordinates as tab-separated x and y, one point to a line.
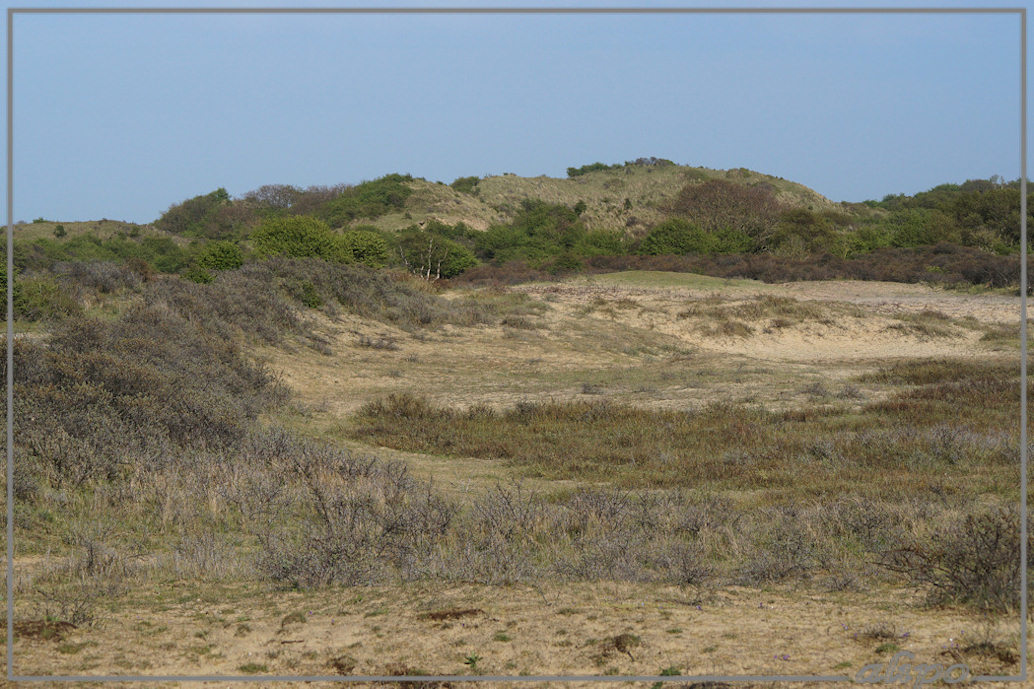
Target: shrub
105	277
161	252
198	274
800	232
539	231
257	297
599	243
465	185
591	167
973	560
308	295
353	521
59	231
275	196
366	246
367	200
41	298
199	217
297	236
220	256
677	236
104	399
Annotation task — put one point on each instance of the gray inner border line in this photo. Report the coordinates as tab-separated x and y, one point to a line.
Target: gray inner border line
1021	11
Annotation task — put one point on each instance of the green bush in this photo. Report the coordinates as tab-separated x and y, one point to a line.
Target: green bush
600	243
197	217
566	262
59	231
365	246
867	238
916	227
539	232
220	256
978	212
591	167
164	254
465	185
801	232
196	273
298	236
678	237
308	294
37	298
41	298
367	200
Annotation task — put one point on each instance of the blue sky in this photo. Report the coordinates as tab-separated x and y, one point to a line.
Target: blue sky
120	116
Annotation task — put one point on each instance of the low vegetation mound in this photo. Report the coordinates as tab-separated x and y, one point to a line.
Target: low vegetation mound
99	397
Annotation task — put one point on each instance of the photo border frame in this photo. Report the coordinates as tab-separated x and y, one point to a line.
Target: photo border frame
1021	13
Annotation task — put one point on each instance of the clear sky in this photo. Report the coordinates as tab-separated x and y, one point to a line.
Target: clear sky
120	116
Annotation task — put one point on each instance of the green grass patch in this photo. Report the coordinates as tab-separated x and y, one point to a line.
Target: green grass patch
658	278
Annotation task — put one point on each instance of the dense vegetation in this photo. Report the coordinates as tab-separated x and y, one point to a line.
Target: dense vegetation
953	233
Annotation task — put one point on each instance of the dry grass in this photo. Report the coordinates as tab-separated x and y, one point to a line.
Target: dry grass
908	439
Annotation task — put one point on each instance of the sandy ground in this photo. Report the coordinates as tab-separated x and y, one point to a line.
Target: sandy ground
617	337
627	340
577	629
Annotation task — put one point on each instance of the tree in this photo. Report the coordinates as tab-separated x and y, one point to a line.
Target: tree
717	204
433	257
279	196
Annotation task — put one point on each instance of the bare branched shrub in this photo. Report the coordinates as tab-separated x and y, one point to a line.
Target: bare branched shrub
100	276
971	558
781	545
205	556
345	519
72	589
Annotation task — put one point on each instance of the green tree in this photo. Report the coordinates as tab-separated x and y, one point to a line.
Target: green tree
432	256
